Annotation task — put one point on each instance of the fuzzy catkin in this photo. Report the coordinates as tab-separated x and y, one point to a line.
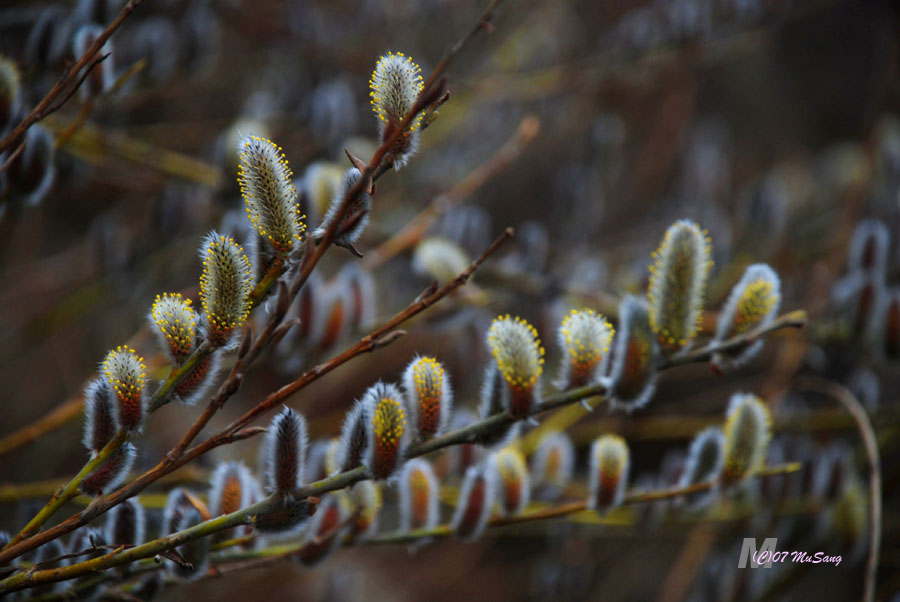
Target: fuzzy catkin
678	285
519	355
269	193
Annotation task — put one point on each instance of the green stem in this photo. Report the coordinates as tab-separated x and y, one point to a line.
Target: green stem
159	399
70	490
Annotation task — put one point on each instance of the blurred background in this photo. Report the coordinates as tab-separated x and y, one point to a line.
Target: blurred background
589	127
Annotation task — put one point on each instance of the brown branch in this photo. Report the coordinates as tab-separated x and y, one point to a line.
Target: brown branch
91	104
12	157
235	431
57	417
77	85
69	79
424	99
310	260
526	131
368	342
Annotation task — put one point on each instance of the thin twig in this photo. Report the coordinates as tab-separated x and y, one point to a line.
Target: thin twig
68	79
864	425
311	260
12	157
245	516
367	342
415	229
157	400
563	419
572	508
230	433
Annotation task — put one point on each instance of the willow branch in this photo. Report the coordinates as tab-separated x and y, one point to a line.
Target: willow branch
236	430
864	426
246	516
157	400
309	263
794	319
368	342
70	80
573	507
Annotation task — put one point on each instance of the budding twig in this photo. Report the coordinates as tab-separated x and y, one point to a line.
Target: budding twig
228	434
159	398
571	508
464	435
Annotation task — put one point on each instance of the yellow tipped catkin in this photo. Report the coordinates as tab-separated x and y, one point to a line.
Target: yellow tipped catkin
174	321
267	186
752	304
225	287
428	394
585	337
678	285
395	85
519	355
126	373
386	429
747	433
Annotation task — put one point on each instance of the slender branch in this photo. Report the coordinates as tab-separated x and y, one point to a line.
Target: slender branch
157	400
12	156
572	508
70	490
375	164
74	88
245	516
466	434
91	104
236	430
69	79
565	418
368	342
794	319
864	425
526	130
57	417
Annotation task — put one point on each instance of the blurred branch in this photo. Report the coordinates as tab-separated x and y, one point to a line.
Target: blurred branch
864	425
91	144
70	80
415	229
573	508
88	106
